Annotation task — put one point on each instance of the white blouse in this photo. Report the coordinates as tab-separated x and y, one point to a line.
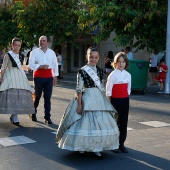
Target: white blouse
118	77
38	57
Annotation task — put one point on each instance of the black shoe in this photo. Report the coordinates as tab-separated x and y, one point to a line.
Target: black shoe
48	121
123	149
116	150
14	123
34	118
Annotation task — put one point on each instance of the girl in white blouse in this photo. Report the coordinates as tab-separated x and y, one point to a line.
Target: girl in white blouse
88	124
15	90
118	88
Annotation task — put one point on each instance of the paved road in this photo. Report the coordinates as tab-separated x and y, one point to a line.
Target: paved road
148	138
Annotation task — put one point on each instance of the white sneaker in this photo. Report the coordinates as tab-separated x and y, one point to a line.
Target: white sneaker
14	118
97	153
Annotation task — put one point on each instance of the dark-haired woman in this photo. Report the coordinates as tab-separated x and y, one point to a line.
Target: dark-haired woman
108	61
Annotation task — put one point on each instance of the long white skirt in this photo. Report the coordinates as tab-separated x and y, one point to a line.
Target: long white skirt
93	132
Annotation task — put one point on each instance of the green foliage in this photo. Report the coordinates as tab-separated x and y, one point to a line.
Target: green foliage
21	16
145	20
8	29
45	17
64	20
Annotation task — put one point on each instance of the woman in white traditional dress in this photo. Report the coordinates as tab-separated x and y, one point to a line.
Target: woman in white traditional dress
15	90
88	123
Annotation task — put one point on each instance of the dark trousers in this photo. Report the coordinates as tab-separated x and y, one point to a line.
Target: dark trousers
59	71
44	85
122	107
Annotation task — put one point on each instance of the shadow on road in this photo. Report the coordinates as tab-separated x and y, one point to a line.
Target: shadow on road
44	154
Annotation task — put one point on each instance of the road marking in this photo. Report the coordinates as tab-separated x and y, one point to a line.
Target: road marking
128	128
17	140
155	123
54	133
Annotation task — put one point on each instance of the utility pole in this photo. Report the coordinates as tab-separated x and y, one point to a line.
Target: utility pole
167	82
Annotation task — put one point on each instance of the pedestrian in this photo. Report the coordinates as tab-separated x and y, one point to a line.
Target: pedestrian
160	56
1	58
21	56
129	53
28	56
108	61
88	123
62	69
44	64
153	58
118	89
27	62
163	69
60	61
15	90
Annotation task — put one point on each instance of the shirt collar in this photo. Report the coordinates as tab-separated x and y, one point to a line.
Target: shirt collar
92	67
119	70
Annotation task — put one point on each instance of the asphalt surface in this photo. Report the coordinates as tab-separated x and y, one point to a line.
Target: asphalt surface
149	147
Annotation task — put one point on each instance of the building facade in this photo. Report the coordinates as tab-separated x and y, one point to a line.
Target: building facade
74	54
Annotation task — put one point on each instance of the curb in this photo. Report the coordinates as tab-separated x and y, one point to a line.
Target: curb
66	82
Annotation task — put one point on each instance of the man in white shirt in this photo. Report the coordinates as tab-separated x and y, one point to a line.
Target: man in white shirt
129	53
45	66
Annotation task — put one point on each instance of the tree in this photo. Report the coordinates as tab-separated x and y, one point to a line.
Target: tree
8	29
52	18
144	20
25	32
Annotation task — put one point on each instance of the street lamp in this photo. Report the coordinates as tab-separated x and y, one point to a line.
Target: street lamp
167	82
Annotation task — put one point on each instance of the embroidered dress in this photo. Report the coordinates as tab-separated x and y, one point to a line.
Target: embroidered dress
15	90
96	129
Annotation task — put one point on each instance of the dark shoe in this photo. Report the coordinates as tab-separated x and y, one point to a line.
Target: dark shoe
123	149
160	91
116	151
48	121
34	118
152	84
81	152
14	123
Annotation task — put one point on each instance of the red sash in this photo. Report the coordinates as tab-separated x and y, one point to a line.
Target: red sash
120	91
43	73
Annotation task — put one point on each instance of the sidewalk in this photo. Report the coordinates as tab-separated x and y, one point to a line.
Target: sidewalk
71	78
